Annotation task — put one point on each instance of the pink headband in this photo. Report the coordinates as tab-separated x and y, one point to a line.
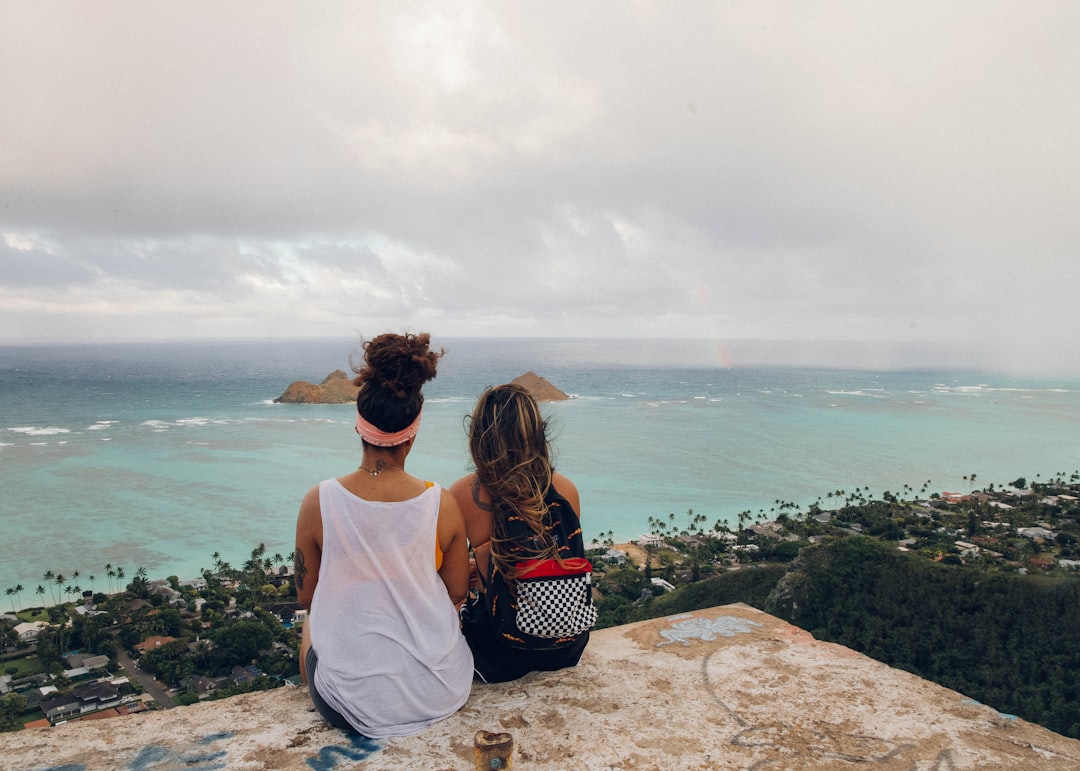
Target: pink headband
379	438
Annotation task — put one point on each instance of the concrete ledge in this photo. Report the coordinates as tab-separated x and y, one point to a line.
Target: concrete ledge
727	687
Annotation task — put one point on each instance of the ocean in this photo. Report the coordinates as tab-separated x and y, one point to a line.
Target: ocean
160	455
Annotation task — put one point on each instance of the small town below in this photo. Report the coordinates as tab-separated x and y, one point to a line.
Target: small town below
846	568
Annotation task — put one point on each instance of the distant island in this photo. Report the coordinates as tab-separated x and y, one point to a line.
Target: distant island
541	390
338	388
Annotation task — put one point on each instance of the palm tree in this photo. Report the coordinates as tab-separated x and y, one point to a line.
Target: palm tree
119	578
59	581
607	538
10	592
693	532
48	577
40	592
139	584
109	573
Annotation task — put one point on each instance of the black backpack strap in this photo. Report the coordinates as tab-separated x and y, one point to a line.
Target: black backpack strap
483	580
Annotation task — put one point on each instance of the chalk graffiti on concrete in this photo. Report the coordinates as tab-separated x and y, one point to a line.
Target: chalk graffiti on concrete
360	748
689	627
158	758
198	757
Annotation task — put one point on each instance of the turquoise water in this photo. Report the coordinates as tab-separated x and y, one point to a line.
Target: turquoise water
160	455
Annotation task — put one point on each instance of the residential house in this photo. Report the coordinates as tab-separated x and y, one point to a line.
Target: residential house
649	540
614	557
661	583
967	549
1034	532
61	707
204	686
28	631
98	695
83	699
164	589
241	675
90	662
153	642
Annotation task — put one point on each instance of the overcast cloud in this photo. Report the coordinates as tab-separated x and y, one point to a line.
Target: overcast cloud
904	172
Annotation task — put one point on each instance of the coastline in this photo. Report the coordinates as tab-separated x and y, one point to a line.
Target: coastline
138	475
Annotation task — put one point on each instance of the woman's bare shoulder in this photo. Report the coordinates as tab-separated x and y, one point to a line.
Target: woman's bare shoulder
468	493
567	490
309	504
463	485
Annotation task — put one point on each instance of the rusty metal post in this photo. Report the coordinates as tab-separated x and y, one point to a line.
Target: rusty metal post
493	752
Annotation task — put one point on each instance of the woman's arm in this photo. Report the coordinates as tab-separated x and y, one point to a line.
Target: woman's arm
452	540
476	510
308	554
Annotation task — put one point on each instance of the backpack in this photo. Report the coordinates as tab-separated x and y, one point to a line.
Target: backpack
550	604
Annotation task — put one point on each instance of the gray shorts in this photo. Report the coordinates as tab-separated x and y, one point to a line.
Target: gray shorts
329	714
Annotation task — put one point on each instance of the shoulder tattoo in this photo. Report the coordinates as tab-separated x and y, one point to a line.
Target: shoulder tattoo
299	568
482	505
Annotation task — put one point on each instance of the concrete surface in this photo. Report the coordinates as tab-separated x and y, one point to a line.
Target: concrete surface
724	688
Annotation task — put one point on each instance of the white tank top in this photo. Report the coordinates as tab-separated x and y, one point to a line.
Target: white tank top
392	658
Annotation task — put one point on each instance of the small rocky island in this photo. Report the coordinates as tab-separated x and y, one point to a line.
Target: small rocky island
338	388
541	390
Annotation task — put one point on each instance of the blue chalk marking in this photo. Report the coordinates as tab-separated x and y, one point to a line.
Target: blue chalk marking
215	737
151	758
691	627
362	748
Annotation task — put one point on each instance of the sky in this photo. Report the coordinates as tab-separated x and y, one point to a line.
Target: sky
900	175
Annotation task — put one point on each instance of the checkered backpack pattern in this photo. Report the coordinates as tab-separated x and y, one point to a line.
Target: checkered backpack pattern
550	604
555	601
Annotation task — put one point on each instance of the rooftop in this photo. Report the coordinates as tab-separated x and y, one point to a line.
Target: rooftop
727	687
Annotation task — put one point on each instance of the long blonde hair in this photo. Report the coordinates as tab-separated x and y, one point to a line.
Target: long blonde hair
510	450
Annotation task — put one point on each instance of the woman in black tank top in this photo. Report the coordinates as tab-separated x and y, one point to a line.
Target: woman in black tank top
516	508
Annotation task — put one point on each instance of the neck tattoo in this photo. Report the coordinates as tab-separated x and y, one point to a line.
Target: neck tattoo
381	466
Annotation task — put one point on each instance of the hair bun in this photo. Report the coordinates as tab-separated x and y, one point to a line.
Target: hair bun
398	364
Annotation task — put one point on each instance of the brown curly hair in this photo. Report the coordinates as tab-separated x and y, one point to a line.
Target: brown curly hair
510	450
392	376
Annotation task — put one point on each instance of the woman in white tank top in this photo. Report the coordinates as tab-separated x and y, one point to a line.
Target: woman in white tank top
382	565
